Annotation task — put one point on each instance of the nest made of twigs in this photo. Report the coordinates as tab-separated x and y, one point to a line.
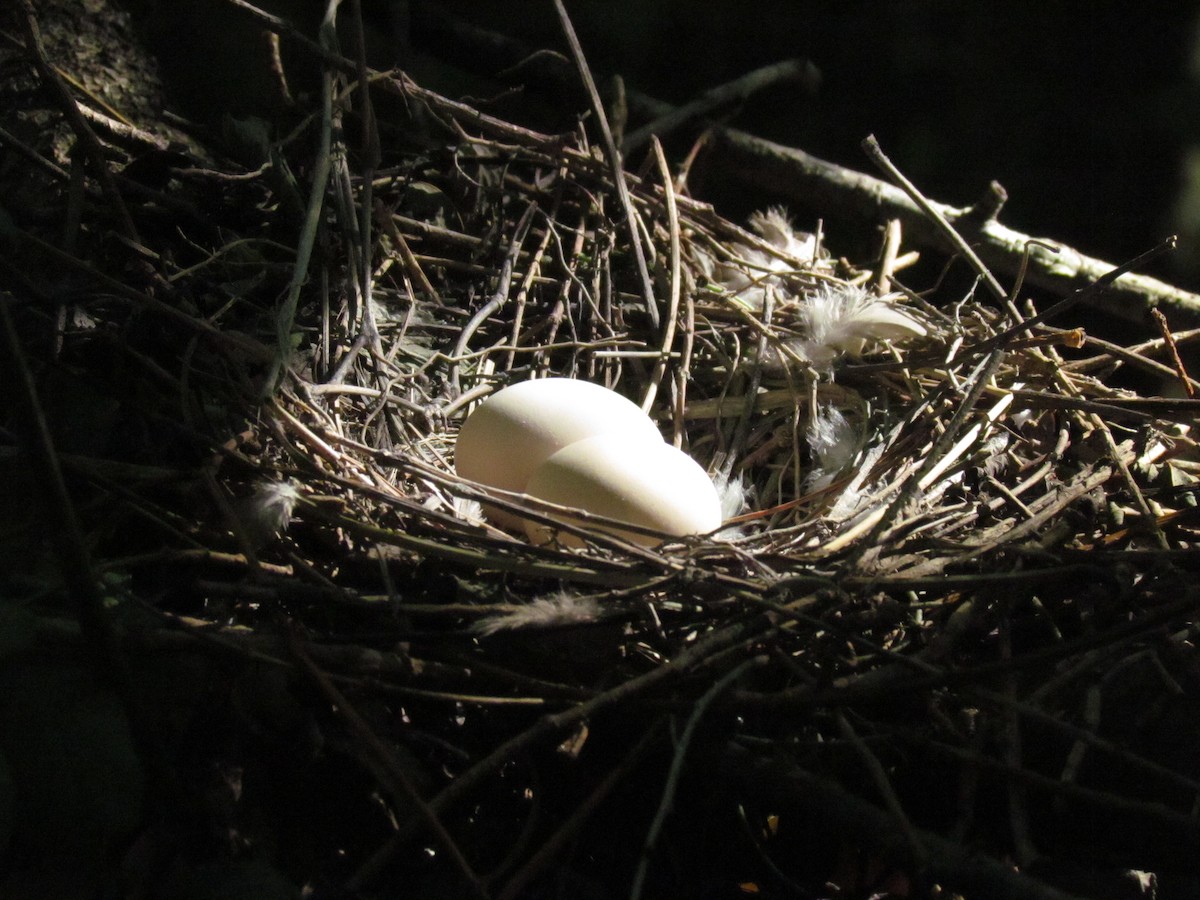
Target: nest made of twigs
947	541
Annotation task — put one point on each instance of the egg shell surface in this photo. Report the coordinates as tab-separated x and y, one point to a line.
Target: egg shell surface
655	485
510	434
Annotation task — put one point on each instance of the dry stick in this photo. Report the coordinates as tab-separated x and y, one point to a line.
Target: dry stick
556	723
62	522
1088	292
736	91
531	274
668	337
1063	786
33	156
401	85
797	793
411	263
883	784
683	371
286	315
1013	749
1149	519
980	380
791	173
371	155
1133	355
875	152
887	257
1169	338
498	298
614	159
91	144
243	343
403	791
78	574
676	772
870	686
553	846
1006	702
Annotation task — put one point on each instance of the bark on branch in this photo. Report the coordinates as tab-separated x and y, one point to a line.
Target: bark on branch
798	176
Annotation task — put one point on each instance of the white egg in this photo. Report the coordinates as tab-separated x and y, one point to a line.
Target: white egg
510	434
654	485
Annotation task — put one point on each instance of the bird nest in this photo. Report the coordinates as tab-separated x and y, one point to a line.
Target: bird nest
943	640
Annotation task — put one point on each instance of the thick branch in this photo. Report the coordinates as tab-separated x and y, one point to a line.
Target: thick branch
796	175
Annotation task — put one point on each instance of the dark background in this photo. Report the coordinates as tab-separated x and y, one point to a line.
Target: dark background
1084	111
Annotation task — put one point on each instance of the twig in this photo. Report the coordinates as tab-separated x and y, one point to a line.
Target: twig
790	173
676	772
404	792
1169	339
556	723
668	336
829	807
871	146
570	826
799	71
312	217
499	296
614	159
883	784
944	453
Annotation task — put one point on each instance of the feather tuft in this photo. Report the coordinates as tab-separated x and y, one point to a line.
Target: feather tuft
468	510
834	442
733	493
755	271
845	318
550	611
267	512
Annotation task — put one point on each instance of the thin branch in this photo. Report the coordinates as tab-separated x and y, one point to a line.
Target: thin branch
875	152
614	159
798	71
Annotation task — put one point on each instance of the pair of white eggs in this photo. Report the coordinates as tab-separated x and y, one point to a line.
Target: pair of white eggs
580	445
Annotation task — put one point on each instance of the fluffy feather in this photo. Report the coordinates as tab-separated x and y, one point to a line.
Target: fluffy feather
756	270
268	511
844	318
732	491
776	228
469	510
834	442
851	500
559	608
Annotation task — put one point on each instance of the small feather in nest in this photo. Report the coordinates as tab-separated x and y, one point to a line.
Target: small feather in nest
735	499
749	277
268	511
845	317
553	610
774	227
854	496
732	491
834	442
468	510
